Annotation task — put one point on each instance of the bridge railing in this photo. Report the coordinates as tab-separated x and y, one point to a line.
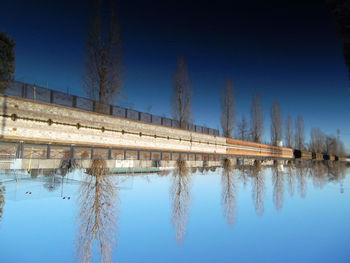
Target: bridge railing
34	92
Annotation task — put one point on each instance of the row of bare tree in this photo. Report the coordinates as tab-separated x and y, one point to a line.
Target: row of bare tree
104	70
294	135
320	142
103	81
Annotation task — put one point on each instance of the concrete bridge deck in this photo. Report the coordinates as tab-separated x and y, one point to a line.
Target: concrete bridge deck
60	127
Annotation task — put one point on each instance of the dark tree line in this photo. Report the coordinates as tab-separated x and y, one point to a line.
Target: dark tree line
7	61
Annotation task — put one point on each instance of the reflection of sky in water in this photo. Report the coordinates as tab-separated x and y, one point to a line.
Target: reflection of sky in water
244	216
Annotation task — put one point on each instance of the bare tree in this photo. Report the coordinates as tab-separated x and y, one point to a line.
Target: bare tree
181	94
317	141
242	131
299	134
257	119
331	145
228	109
104	71
288	138
276	124
341	149
98	215
340	145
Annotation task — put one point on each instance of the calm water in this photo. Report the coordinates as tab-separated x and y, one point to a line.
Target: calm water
252	214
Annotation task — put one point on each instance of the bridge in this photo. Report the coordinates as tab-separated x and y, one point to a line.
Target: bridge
42	134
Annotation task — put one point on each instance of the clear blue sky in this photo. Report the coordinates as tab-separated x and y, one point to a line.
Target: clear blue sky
287	50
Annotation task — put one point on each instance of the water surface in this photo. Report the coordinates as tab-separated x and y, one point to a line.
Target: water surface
297	213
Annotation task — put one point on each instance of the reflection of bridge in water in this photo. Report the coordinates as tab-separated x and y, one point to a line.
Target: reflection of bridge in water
41	184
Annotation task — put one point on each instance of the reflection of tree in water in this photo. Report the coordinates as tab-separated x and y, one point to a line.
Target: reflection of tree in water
243	174
336	171
2	199
290	172
258	187
301	172
278	186
193	170
323	172
201	170
181	199
34	173
213	169
318	172
229	193
163	172
98	214
67	164
53	183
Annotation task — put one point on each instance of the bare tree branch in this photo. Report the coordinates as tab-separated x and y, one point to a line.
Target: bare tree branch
182	94
104	70
258	188
181	199
228	109
229	194
299	134
257	119
242	131
317	141
289	137
99	203
278	186
276	124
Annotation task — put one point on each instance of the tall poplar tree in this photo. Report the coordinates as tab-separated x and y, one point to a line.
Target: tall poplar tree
228	109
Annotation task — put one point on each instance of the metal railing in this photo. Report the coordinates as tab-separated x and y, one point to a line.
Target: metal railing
34	92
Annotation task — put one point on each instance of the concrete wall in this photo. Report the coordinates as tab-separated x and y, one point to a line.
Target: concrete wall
78	127
31	121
